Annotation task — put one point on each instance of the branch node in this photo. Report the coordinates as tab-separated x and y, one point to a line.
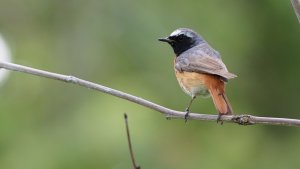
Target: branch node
242	120
71	79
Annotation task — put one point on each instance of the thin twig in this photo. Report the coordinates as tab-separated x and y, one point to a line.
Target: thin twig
296	6
129	143
239	119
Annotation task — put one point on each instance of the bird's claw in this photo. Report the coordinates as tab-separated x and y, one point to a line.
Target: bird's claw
186	114
219	119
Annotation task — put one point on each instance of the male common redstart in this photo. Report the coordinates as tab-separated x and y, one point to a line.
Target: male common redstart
199	69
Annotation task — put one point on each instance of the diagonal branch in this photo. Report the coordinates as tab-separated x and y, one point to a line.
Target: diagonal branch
296	6
239	119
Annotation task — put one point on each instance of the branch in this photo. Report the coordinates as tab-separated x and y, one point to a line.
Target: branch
129	144
239	119
296	6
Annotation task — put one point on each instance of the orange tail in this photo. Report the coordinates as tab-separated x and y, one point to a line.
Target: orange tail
216	88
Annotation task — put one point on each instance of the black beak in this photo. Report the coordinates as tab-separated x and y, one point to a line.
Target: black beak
165	39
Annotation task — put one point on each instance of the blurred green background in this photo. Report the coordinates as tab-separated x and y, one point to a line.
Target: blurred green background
46	124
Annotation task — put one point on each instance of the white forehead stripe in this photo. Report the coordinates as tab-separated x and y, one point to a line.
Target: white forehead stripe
180	31
176	32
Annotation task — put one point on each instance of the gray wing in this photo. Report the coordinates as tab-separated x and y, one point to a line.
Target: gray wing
202	59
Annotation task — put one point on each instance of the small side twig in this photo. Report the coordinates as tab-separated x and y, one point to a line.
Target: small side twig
296	6
135	166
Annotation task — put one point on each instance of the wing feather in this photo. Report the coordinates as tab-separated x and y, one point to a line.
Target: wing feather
203	59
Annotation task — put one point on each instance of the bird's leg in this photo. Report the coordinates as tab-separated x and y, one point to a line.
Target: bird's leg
187	110
219	119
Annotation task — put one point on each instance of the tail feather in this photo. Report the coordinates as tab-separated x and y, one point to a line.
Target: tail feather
220	100
229	108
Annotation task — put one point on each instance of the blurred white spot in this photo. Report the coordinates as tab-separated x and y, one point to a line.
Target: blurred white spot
5	56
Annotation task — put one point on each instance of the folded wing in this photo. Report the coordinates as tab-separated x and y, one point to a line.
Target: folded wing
203	60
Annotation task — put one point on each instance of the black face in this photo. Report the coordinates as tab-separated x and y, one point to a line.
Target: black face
182	41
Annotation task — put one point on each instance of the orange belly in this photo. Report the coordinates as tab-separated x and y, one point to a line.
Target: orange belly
198	84
192	83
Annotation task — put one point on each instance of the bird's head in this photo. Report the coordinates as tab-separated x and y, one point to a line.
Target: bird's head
182	39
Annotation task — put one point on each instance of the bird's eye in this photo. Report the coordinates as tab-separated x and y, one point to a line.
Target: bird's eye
180	37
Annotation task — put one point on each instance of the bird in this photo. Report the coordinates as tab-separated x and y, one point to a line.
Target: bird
199	69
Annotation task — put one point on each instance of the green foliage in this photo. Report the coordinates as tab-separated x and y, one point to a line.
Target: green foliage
52	125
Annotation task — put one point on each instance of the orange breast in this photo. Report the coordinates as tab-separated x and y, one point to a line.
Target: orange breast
192	83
